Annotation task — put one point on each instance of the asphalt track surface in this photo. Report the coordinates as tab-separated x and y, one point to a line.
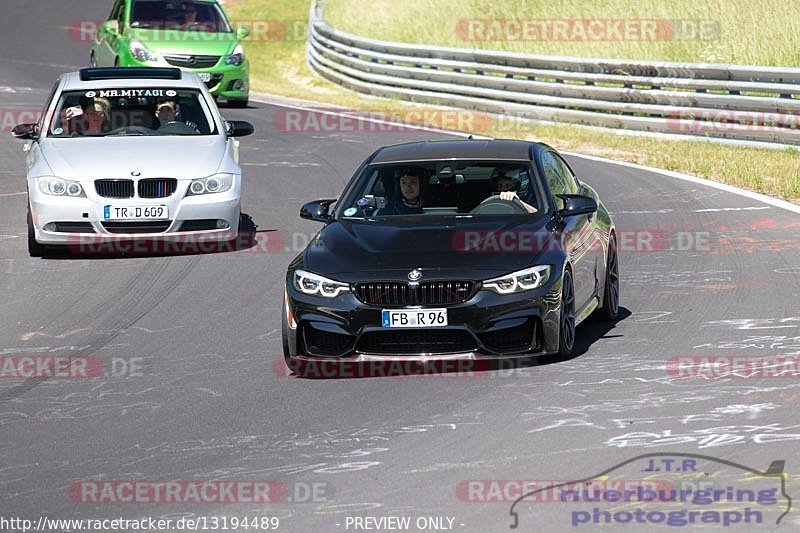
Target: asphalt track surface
210	399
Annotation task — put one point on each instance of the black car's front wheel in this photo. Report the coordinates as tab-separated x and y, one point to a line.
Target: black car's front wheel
566	335
610	308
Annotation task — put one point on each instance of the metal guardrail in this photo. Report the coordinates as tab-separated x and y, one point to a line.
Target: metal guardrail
716	101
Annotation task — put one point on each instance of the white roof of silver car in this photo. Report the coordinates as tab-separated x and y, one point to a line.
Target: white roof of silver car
189	80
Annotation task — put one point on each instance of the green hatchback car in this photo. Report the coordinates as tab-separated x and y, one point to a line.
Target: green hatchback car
194	35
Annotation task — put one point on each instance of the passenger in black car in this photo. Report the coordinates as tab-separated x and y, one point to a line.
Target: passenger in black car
411	200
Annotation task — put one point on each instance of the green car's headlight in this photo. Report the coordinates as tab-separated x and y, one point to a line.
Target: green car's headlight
522	280
236	57
141	53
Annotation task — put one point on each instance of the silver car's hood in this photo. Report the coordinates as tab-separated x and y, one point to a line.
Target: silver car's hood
116	157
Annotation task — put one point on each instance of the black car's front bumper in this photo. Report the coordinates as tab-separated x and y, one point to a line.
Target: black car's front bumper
487	325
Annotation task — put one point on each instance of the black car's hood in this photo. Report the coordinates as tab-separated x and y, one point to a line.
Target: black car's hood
444	248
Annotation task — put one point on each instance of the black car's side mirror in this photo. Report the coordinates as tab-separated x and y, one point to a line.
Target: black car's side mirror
317	210
239	128
576	204
25	131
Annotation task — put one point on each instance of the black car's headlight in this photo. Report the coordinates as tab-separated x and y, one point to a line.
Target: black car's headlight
522	280
309	283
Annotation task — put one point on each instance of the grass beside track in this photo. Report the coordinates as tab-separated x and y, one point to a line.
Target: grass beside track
278	66
745	32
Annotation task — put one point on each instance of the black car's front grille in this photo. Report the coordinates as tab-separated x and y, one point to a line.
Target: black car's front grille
426	293
444	292
187	61
385	293
114	188
150	226
416	341
157	187
74	227
318	342
518	338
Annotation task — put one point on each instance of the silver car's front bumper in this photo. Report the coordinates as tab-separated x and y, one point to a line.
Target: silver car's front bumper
47	209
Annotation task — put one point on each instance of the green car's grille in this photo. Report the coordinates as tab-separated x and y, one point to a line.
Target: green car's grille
192	61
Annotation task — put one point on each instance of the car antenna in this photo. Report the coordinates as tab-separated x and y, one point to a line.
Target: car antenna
470	137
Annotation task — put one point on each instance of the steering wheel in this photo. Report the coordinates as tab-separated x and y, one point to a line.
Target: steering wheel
130	129
176	127
495	206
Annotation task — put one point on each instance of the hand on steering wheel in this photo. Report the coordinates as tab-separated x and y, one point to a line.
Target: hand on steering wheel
509	196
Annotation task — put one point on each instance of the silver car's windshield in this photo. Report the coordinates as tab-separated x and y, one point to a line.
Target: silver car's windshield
140	111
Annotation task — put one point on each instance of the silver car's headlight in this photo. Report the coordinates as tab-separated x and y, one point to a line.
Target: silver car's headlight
236	57
141	53
522	280
309	283
212	184
58	187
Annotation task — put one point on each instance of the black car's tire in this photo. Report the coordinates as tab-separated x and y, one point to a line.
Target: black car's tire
610	308
34	248
566	329
238	103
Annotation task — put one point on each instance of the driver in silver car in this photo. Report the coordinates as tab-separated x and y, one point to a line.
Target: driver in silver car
168	111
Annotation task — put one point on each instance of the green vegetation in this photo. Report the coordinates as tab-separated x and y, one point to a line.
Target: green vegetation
711	31
278	66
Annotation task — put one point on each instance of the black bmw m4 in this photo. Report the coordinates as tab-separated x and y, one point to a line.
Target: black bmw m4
437	250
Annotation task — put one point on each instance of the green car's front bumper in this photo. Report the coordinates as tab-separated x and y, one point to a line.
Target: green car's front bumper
231	82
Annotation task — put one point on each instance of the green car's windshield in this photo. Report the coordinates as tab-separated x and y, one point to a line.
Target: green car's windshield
184	15
140	111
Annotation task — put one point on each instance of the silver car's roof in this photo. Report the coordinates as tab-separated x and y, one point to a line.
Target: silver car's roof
189	80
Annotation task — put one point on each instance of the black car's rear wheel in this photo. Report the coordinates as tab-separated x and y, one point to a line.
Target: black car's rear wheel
610	308
566	335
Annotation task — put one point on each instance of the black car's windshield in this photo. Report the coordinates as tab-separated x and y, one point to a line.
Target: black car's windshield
443	188
184	15
126	111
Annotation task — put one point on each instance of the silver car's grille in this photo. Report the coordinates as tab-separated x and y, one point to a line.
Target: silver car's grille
190	61
114	188
157	187
148	226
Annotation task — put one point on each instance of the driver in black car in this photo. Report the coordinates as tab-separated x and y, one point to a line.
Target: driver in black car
507	182
168	111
